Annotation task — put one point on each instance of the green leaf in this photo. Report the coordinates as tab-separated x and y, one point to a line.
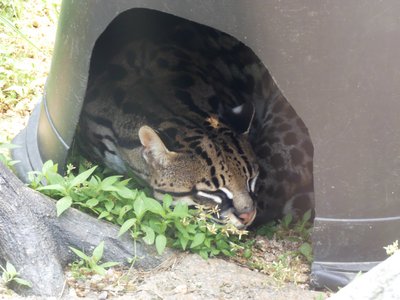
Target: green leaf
54	178
126	193
287	219
306	250
34	178
81	178
92	202
181	229
110	188
63	204
161	242
181	210
8	146
104	214
53	187
183	241
98	252
11	162
159	226
198	240
150	235
48	165
109	205
215	252
80	254
154	206
167	201
307	216
94	182
192	228
10	269
98	269
5	277
267	230
226	252
108	182
139	208
21	281
247	253
126	226
203	254
124	210
221	244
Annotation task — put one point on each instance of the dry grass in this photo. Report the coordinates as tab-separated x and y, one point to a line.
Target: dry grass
27	32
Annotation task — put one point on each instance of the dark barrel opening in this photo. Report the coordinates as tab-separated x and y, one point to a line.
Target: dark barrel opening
278	135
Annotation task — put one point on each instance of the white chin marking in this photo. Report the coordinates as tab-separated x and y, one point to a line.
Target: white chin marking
232	219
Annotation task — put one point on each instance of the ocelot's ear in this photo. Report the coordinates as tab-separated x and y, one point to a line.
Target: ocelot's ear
239	117
155	150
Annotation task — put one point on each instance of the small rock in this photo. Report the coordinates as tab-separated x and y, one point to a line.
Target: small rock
96	278
103	295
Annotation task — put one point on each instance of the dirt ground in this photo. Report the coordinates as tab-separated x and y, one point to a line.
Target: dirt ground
191	277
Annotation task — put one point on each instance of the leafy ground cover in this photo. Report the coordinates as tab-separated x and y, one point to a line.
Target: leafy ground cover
281	250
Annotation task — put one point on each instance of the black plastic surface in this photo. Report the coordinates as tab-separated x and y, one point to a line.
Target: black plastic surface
28	153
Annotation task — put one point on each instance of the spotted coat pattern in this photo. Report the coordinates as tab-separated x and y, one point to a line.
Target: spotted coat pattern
196	114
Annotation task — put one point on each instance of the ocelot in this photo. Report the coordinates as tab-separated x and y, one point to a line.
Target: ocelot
195	114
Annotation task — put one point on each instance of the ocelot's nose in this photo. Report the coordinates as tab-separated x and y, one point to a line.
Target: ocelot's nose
248	217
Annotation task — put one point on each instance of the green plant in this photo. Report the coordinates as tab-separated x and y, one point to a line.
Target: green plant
286	267
113	198
10	274
268	230
4	154
320	297
298	231
11	8
91	263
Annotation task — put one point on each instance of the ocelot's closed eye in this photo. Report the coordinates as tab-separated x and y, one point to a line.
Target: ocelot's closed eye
223	199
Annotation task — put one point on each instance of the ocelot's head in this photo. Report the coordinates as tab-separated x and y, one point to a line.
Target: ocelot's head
216	168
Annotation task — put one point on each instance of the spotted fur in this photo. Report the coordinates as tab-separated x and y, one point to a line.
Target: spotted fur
195	114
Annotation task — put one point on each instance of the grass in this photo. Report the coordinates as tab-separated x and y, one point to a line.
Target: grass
27	31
